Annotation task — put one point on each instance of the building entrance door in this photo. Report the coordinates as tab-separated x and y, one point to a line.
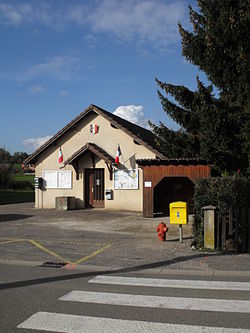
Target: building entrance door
94	188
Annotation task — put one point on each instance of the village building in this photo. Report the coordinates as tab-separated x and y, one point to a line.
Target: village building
100	160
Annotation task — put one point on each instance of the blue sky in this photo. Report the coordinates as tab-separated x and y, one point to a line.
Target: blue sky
58	57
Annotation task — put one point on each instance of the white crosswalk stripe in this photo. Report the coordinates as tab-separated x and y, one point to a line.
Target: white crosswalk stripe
70	323
179	303
171	283
57	322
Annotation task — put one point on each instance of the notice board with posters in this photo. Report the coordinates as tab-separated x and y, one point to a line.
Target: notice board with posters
57	179
126	179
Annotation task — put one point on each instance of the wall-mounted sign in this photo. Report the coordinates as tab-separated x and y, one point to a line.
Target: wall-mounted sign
126	179
147	184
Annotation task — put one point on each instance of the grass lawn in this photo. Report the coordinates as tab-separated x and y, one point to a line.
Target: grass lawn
22	177
12	197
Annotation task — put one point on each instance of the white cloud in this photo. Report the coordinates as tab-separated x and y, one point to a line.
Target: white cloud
139	22
64	93
60	67
34	143
63	68
78	14
90	40
27	13
132	113
35	90
15	15
152	21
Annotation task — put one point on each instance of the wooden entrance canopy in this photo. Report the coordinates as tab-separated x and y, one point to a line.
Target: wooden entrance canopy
95	151
154	170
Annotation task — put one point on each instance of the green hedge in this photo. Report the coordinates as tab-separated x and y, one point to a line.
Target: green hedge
13	183
13	197
221	192
16	185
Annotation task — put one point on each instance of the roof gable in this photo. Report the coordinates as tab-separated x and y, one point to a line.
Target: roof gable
139	134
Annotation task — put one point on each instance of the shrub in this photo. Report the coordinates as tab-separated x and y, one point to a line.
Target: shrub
20	185
11	184
221	192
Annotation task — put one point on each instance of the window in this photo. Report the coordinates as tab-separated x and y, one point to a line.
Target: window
57	179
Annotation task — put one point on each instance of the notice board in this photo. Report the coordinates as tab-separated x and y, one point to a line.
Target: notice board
57	179
127	179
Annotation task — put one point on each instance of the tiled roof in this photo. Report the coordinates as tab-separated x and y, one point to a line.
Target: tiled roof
139	134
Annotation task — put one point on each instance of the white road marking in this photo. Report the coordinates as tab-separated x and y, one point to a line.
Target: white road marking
170	283
180	303
65	323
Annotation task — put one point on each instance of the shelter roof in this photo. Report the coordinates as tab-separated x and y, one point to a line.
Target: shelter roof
171	161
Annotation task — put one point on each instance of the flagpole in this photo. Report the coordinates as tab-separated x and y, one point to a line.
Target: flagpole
122	159
121	154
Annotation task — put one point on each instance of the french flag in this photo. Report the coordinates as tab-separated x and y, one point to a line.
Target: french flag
60	156
118	154
94	129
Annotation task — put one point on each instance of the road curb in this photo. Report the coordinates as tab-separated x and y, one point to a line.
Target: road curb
120	270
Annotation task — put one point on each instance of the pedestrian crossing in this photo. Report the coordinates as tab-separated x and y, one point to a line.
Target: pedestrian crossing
72	323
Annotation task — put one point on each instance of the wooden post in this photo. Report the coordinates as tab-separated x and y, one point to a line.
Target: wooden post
243	217
248	231
218	231
230	218
237	216
223	233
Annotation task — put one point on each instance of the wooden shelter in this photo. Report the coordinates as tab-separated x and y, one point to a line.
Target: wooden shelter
169	180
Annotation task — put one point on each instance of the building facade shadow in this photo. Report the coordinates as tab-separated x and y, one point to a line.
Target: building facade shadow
13	217
158	264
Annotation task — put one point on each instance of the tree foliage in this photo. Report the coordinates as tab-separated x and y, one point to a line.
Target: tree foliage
16	158
216	129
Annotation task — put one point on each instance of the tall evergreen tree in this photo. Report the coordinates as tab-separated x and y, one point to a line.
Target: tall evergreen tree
216	129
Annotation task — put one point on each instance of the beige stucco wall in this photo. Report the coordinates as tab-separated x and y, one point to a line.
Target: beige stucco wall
108	139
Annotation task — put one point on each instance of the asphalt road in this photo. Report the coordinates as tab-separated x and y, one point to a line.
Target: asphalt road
34	299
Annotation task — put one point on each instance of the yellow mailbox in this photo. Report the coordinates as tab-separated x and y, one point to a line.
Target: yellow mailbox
178	212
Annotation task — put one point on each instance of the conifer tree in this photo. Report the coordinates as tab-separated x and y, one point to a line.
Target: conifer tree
216	129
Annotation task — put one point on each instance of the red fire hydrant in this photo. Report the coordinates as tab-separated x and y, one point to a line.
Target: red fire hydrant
162	229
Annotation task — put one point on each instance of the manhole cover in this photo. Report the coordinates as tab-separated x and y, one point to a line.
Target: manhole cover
53	264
